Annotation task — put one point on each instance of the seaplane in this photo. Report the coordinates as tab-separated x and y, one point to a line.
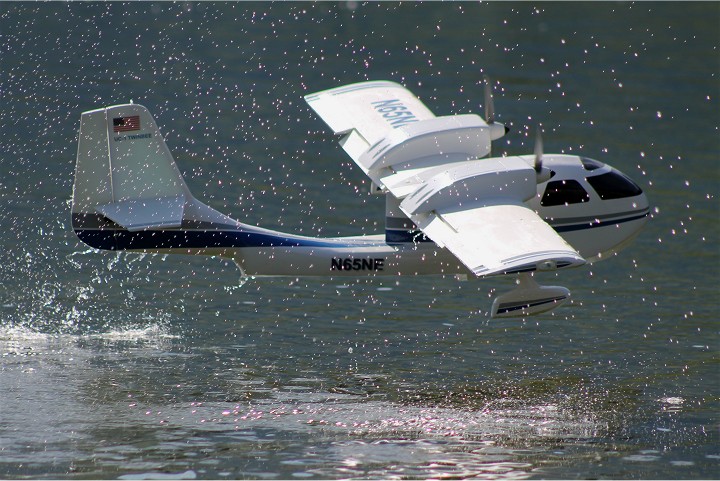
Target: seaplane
451	209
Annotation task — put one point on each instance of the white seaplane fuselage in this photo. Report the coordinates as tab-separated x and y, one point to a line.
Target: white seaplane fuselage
597	226
449	211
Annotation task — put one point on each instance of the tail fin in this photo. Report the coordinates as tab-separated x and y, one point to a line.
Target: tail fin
125	172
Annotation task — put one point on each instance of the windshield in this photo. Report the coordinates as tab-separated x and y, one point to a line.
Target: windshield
614	185
591	164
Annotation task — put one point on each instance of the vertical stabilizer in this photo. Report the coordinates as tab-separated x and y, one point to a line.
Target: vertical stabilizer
125	171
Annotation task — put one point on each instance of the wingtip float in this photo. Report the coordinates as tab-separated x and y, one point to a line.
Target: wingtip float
450	209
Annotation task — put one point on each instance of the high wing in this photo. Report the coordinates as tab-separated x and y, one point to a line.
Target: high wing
371	108
474	208
368	112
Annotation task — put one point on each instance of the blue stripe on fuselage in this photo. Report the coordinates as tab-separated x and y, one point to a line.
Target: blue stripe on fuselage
114	239
593	223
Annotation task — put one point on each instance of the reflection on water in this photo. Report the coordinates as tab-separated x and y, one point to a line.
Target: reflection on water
139	402
303	426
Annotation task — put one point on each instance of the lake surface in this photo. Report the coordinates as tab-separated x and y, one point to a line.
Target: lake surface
150	367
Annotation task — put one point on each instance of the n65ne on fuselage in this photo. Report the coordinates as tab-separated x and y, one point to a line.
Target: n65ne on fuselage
450	209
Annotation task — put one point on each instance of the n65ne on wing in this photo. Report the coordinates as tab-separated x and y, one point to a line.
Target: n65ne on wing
450	209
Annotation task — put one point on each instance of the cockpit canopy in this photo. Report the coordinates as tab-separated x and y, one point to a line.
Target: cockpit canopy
608	185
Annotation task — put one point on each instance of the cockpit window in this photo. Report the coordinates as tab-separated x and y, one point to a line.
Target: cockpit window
564	192
614	185
591	164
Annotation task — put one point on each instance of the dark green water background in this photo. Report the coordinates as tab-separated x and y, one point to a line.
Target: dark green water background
142	367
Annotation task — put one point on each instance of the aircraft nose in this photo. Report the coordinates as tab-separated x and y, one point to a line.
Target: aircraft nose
640	205
643	205
641	201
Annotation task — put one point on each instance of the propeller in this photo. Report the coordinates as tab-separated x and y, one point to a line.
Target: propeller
497	129
538	151
543	174
489	106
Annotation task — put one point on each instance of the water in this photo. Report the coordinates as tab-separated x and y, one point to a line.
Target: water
149	367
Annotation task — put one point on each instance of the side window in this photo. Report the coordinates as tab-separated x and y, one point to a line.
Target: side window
564	192
614	185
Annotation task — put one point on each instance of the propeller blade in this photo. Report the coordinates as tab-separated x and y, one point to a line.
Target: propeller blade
489	107
538	149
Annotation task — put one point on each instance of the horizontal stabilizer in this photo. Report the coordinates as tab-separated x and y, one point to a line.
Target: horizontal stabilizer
142	214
